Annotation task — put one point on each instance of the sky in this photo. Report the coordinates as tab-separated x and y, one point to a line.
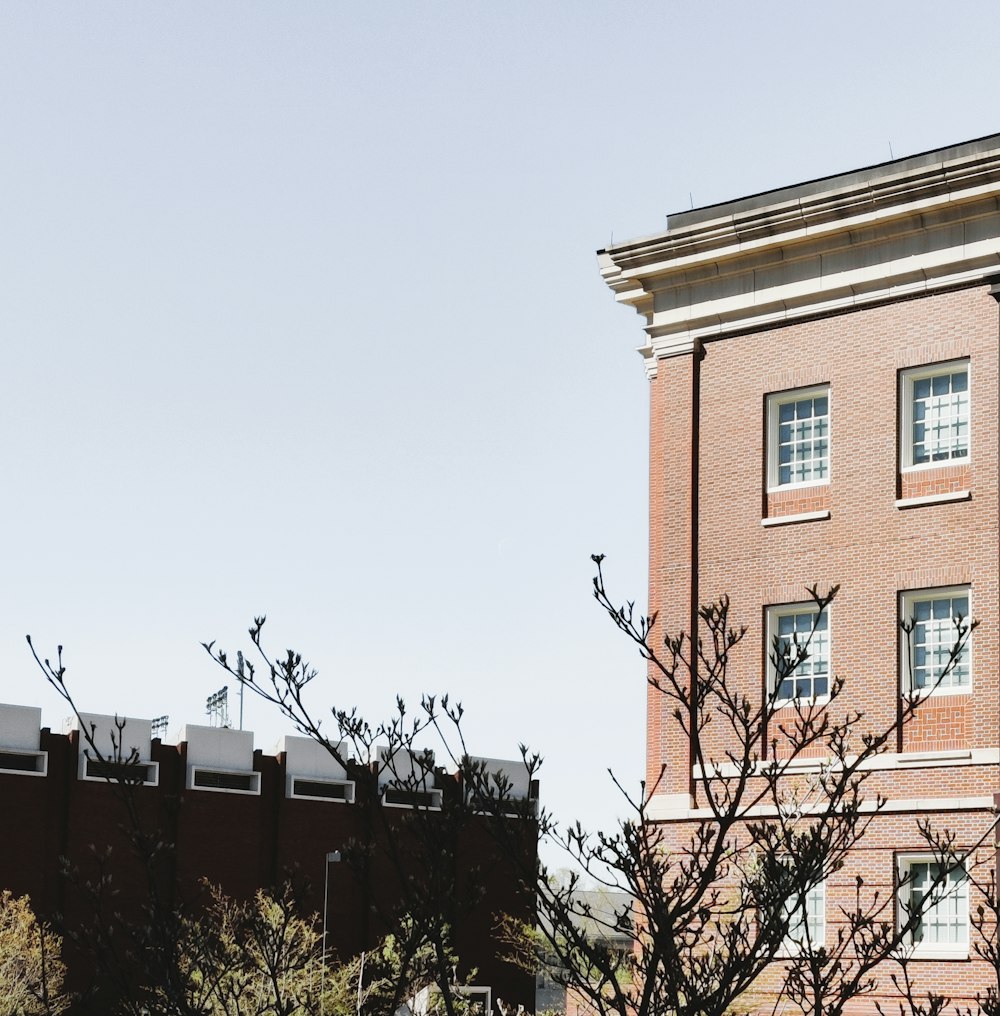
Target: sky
300	316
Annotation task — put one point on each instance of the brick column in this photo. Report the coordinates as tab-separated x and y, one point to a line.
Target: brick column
673	556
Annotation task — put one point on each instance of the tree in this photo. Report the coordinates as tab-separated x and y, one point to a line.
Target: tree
134	942
715	906
262	957
31	967
436	878
259	957
781	807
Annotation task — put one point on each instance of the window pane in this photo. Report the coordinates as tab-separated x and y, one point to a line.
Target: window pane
803	654
806	915
802	432
939	410
943	902
933	639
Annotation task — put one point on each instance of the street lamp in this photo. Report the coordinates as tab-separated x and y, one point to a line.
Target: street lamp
331	857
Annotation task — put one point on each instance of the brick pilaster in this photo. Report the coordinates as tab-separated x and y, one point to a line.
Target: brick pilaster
673	564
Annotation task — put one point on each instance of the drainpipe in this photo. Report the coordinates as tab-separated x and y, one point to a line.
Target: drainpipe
994	291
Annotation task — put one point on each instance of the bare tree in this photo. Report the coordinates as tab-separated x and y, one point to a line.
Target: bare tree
722	899
719	909
782	804
133	941
433	883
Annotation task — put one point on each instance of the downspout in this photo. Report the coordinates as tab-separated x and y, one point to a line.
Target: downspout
994	291
697	354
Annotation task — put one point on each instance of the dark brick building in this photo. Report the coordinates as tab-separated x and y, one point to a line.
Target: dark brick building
243	820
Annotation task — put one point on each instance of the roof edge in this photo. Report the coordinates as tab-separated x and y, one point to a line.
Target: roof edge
836	181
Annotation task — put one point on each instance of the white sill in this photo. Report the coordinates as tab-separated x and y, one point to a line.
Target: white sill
782	487
922	759
951	495
932	693
921	467
785	953
787	520
938	952
805	703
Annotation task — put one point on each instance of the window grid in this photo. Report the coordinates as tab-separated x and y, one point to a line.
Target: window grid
943	902
935	620
941	417
803	440
935	415
806	913
809	680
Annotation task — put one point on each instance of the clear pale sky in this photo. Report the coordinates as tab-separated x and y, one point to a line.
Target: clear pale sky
300	315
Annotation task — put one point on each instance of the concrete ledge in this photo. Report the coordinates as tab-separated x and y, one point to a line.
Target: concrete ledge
911	805
667	806
788	520
885	761
951	495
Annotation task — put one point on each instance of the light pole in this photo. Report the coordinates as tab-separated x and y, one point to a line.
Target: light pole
331	857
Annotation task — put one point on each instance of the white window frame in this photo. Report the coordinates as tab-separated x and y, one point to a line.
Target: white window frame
907	601
922	949
907	378
252	776
21	762
480	992
774	614
795	942
293	780
118	769
774	404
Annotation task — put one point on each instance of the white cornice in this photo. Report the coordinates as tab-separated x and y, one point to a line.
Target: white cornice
885	761
677	807
666	811
908	228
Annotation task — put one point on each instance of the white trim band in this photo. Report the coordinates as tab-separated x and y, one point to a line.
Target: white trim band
884	762
657	813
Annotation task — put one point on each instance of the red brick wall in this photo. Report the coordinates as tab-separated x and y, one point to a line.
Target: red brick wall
868	545
875	862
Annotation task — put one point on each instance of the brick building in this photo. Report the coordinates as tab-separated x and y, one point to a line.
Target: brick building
243	819
822	362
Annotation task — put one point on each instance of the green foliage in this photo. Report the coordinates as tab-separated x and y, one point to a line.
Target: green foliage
258	958
261	958
31	968
408	970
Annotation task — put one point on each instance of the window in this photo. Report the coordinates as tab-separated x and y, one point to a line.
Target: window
316	789
931	621
934	403
232	781
799	651
31	763
941	898
798	438
806	915
120	771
